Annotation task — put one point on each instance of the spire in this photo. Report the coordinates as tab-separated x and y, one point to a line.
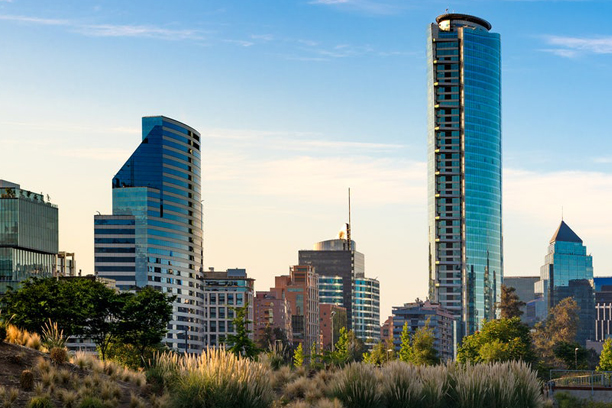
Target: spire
565	234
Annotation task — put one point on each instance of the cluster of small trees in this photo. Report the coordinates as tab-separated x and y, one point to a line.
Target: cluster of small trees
551	343
125	325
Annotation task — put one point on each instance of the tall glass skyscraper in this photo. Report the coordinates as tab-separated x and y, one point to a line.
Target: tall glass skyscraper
464	168
154	235
28	235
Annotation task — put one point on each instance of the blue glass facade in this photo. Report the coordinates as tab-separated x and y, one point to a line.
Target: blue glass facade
568	272
28	235
154	236
366	310
464	168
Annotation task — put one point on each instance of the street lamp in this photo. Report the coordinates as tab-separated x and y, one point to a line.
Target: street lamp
332	314
576	357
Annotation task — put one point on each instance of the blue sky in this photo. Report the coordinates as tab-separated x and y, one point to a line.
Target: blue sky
297	100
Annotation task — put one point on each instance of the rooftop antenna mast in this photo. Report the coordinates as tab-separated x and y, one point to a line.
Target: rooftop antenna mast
348	226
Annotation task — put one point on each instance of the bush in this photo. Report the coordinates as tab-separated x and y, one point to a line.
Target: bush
215	379
91	402
3	332
58	355
40	402
357	386
26	380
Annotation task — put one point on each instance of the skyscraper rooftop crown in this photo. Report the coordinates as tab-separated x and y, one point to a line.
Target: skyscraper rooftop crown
453	19
565	234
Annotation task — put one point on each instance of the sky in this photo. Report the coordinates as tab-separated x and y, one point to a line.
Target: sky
297	101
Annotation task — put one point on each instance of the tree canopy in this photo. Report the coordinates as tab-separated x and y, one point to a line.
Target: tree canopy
87	307
605	359
498	341
510	304
560	326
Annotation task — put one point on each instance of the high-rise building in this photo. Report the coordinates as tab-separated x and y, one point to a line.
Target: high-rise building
301	289
154	235
272	313
28	235
224	291
366	310
425	313
568	272
464	168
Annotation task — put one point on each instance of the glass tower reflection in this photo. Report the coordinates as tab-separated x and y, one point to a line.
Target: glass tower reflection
464	168
154	236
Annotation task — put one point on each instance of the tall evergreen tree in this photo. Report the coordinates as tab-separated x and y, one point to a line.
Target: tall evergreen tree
510	305
241	343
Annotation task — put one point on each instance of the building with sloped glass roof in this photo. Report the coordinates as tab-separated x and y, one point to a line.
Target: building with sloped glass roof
154	235
568	272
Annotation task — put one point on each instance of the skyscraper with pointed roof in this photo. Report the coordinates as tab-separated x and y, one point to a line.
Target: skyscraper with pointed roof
568	272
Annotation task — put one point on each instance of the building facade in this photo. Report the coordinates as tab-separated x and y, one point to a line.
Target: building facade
272	313
224	291
332	319
28	235
421	313
525	290
568	272
154	235
301	290
464	168
366	310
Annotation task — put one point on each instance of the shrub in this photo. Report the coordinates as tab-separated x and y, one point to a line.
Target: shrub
58	355
215	378
357	387
52	336
40	402
33	341
401	385
3	332
26	380
91	402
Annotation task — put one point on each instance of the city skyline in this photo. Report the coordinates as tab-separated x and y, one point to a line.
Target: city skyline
296	102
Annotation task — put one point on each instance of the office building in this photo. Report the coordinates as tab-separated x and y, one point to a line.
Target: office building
524	289
386	330
464	168
425	313
603	307
366	310
224	291
603	289
154	235
333	318
568	272
28	235
272	314
301	289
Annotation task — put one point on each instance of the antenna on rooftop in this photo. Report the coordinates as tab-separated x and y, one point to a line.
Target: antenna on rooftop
348	226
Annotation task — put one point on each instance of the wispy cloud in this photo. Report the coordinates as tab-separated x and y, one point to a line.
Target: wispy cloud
570	47
296	141
365	6
112	30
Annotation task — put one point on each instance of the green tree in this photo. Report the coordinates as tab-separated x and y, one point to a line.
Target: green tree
560	326
348	348
380	353
405	352
573	355
298	356
71	303
423	350
144	318
605	359
510	305
241	343
498	340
